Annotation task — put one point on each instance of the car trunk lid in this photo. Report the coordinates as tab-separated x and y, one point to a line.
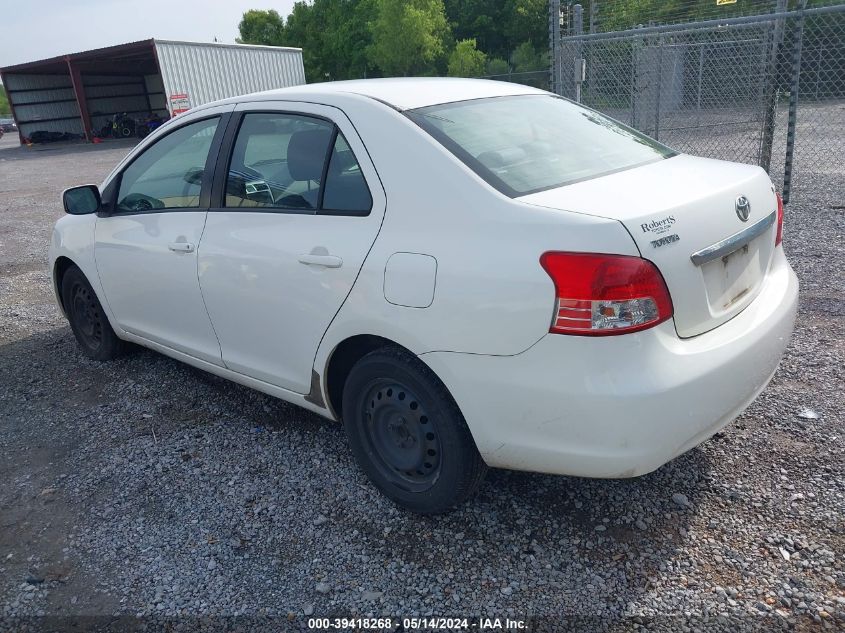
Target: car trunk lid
688	216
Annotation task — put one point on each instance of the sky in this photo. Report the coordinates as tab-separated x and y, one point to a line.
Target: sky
38	29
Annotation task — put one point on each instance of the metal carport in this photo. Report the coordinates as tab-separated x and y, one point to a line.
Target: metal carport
77	94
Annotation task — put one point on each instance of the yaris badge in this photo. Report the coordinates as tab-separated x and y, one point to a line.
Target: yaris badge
743	208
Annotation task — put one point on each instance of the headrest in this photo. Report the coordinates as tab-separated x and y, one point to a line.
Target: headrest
497	159
307	153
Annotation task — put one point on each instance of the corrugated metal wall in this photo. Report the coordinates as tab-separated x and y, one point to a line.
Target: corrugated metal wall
155	88
208	72
44	102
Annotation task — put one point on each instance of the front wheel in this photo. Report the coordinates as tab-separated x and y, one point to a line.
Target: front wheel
407	433
87	319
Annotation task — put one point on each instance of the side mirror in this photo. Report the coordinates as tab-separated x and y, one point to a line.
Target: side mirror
82	200
194	176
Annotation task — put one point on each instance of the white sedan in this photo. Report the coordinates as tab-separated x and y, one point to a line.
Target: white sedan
466	273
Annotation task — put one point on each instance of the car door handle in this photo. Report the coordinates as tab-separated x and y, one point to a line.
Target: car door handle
329	261
181	247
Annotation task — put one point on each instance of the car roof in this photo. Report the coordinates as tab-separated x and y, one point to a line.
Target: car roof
404	93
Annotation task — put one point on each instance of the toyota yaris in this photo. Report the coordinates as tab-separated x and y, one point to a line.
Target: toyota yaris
466	273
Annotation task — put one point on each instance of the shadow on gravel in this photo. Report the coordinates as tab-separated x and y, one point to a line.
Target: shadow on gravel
13	151
528	541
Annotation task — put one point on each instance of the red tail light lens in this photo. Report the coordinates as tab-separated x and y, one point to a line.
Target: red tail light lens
779	234
601	295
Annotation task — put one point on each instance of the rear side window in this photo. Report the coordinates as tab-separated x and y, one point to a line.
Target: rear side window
525	144
168	174
346	190
294	162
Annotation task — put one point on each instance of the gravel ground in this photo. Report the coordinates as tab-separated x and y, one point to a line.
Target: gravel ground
145	488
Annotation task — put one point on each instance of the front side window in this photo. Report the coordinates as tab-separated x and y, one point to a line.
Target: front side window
295	162
169	174
525	144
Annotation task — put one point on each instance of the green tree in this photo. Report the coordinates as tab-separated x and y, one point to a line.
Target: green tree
526	21
498	26
344	39
344	36
481	20
526	58
466	60
5	109
498	66
302	31
408	36
333	34
262	27
614	16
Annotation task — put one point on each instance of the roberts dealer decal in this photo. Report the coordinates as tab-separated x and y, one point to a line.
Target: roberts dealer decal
661	227
658	227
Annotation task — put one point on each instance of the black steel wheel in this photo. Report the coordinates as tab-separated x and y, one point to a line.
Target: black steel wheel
87	319
407	433
401	436
87	315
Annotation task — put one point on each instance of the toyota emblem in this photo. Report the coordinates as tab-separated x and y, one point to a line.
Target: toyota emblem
743	208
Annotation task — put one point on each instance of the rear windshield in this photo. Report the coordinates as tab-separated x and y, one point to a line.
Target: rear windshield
525	144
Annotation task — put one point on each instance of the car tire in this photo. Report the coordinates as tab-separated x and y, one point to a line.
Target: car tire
87	318
407	433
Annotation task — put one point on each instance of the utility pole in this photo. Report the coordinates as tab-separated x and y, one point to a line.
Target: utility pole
555	82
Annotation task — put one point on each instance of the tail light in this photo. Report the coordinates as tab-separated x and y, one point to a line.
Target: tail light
779	234
601	295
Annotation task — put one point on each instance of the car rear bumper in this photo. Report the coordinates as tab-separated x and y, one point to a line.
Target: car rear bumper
620	406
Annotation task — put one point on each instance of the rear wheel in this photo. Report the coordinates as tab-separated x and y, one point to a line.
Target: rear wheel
407	433
87	319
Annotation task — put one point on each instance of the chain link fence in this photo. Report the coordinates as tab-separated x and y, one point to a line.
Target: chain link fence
765	89
533	78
